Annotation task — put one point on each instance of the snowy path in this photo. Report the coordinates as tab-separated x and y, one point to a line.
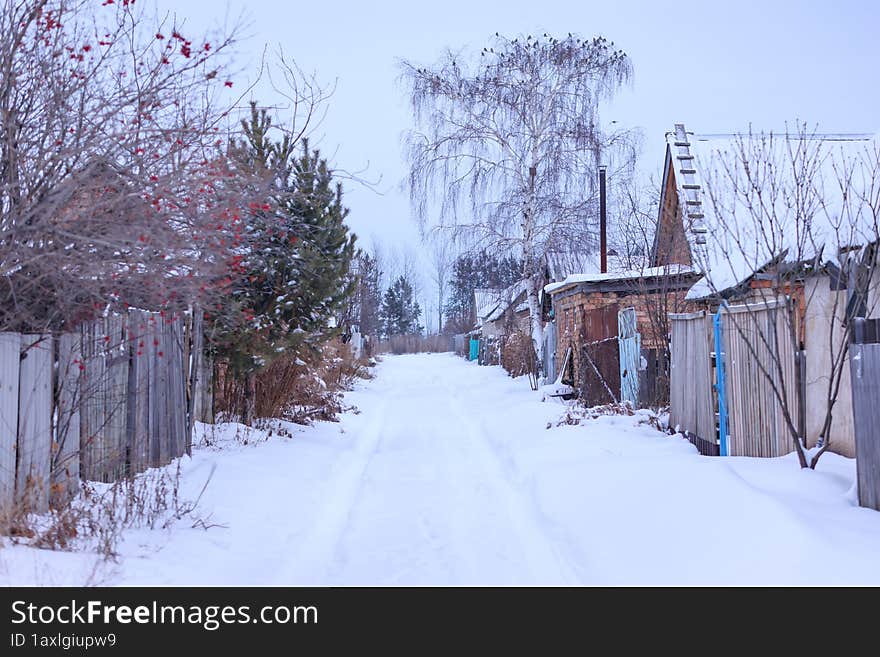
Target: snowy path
448	475
425	498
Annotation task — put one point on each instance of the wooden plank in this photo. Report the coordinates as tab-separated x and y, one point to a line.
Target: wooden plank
195	379
686	316
34	422
65	452
10	359
116	395
692	408
181	414
139	392
865	370
103	436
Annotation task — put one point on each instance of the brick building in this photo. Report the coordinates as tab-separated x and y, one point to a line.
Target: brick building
601	319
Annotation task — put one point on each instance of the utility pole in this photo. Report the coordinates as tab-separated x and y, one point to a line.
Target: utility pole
603	224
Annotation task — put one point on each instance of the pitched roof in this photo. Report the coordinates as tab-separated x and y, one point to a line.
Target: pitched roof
625	275
485	301
491	304
746	198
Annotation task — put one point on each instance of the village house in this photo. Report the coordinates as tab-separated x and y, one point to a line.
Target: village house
612	332
499	314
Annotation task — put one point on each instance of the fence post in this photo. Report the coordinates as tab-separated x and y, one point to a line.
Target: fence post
864	365
10	359
720	385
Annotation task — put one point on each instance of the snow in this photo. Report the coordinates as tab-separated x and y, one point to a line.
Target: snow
449	475
625	275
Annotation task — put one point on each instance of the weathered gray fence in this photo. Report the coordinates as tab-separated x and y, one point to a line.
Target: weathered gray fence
691	398
864	365
760	362
114	399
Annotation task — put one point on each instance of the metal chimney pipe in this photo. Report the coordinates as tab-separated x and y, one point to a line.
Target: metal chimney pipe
603	223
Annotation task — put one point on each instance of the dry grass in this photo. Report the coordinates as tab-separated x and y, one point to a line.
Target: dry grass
294	389
576	414
95	518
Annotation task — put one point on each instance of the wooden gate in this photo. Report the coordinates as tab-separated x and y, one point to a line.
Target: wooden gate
691	395
630	344
755	342
599	367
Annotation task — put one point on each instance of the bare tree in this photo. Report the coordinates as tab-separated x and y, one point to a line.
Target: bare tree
442	257
796	230
508	145
113	190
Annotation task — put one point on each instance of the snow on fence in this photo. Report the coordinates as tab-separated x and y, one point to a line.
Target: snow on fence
119	396
691	402
865	375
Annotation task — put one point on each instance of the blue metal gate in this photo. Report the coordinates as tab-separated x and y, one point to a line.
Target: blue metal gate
630	355
474	349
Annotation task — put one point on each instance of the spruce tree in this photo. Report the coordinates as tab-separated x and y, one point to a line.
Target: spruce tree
400	312
294	270
369	294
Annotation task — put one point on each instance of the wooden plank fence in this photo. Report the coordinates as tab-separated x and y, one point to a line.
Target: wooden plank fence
691	399
112	400
864	365
756	340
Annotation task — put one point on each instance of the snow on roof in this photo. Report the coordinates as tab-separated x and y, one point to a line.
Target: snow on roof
730	239
485	301
506	298
631	274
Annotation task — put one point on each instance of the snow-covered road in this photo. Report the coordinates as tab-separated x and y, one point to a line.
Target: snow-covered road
449	475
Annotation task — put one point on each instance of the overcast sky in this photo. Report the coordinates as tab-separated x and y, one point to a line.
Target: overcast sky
715	66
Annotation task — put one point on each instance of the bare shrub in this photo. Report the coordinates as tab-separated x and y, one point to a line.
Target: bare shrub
295	389
518	354
95	519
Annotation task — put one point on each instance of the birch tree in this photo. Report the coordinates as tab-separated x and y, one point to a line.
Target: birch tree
506	145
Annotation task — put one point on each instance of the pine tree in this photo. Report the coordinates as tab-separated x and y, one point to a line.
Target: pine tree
400	312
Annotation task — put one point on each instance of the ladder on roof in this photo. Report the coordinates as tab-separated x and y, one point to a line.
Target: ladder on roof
690	184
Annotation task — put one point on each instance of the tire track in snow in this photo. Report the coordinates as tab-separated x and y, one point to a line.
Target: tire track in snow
545	560
312	557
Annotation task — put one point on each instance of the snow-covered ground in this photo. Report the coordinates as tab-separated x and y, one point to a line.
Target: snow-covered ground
449	475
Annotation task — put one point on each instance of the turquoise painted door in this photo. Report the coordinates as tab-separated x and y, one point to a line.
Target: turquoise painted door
630	355
474	349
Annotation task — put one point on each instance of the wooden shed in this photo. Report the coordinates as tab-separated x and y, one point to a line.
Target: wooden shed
615	328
